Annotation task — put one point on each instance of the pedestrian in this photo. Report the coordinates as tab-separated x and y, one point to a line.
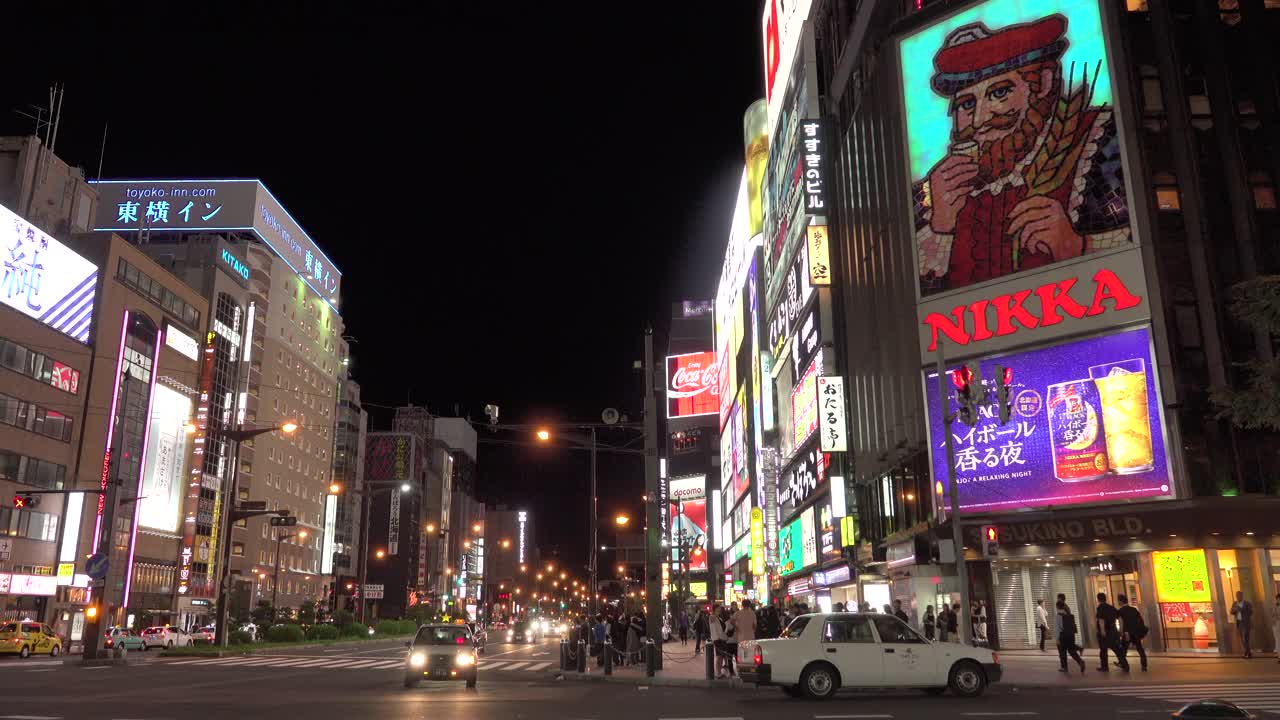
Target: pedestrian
701	631
597	642
684	627
839	607
719	640
1275	625
929	622
1132	630
944	619
888	609
618	637
635	631
1242	611
898	612
981	627
1065	626
744	623
771	627
1042	622
953	623
1108	626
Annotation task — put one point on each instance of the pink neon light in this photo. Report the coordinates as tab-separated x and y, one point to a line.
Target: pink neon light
142	469
111	427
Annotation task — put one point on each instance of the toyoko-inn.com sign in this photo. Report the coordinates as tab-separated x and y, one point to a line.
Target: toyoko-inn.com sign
133	205
693	385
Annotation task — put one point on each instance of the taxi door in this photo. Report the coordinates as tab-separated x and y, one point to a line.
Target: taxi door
36	639
909	659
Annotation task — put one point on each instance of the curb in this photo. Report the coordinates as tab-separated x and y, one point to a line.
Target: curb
656	680
300	646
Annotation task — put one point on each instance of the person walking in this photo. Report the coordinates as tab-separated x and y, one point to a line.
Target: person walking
1108	626
1132	630
684	627
944	618
1275	626
1065	626
597	640
953	623
635	631
899	613
1042	622
719	640
1242	611
701	631
930	622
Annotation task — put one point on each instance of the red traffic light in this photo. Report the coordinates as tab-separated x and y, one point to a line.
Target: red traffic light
961	377
20	501
1008	376
991	533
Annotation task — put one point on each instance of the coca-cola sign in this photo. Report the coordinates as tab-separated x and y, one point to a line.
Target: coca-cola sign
1096	294
693	385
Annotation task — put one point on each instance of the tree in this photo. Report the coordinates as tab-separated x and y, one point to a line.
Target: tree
307	613
1256	405
263	614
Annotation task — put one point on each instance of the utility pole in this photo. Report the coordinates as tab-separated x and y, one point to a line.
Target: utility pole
653	529
595	528
957	536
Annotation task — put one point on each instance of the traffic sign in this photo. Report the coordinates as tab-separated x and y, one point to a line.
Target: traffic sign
96	567
253	505
288	521
373	592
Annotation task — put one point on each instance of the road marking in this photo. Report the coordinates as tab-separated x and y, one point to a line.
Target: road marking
97	667
999	714
516	665
735	717
44	670
387	665
1263	696
539	666
834	717
492	666
31	717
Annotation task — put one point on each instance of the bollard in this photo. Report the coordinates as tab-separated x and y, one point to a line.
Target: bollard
711	662
582	656
608	655
651	658
564	655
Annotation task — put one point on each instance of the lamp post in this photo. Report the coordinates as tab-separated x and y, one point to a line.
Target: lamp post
232	514
275	579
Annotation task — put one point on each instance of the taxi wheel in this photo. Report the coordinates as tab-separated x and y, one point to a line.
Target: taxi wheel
53	651
967	679
25	652
820	681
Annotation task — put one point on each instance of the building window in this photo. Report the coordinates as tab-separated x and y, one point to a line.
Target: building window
36	419
1167	197
38	366
134	278
24	470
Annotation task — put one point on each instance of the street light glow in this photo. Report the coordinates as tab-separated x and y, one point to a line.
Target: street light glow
381	553
190	428
405	487
475	527
506	544
431	528
289	427
335	488
621	519
544	435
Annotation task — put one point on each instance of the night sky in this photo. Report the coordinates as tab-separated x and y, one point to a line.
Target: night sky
511	194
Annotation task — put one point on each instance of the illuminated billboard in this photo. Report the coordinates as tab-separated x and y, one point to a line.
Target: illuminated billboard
688	524
44	279
1086	427
162	489
804	403
797	544
1013	141
1181	576
214	205
693	386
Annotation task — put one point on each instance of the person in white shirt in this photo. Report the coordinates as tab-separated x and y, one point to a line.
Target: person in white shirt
1042	622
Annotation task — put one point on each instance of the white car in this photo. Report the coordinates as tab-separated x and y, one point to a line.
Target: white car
820	653
165	637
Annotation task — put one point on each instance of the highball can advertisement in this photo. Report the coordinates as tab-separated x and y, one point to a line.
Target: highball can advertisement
1085	427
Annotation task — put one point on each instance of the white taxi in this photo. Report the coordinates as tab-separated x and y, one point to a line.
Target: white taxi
819	654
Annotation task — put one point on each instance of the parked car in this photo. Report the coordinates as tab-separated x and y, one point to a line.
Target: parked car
203	635
440	652
23	638
165	636
820	653
122	637
478	636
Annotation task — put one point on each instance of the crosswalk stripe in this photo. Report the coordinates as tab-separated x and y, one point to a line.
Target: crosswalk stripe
539	666
492	666
362	664
331	663
388	664
517	665
1149	688
1259	696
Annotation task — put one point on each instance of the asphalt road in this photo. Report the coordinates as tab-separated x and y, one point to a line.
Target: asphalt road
321	684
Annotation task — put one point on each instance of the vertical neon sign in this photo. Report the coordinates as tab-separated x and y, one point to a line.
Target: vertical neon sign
111	432
142	469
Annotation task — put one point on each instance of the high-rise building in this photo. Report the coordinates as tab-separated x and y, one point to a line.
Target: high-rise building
277	336
348	472
512	560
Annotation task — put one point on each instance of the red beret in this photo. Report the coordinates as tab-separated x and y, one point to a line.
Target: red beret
973	53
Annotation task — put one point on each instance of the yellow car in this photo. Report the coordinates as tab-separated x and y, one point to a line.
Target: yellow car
24	638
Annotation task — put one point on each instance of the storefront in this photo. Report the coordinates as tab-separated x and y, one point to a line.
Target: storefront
1180	563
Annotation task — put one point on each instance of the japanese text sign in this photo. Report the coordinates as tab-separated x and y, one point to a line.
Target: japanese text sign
831	422
44	279
133	205
1181	576
811	148
819	255
801	480
804	403
693	386
757	542
1086	427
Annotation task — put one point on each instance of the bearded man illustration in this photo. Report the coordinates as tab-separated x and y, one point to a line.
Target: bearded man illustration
1033	173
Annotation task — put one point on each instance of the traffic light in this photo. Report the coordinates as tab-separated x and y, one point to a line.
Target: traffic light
25	500
990	541
1004	391
286	521
968	393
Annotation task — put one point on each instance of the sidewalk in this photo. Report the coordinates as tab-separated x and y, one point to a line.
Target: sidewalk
1023	669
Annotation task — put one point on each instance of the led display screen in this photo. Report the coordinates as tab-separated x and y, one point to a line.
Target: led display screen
162	488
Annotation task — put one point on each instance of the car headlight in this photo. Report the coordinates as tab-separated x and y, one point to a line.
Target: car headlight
465	659
417	660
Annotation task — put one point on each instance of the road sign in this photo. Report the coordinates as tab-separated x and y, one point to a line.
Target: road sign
253	505
373	592
96	567
289	521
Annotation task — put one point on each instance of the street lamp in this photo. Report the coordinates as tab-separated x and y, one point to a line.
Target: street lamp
238	436
621	520
381	553
544	435
367	493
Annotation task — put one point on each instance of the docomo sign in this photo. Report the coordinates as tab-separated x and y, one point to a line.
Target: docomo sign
1090	295
693	385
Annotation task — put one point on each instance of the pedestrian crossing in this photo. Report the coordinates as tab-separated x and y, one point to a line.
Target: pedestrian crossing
312	662
1255	697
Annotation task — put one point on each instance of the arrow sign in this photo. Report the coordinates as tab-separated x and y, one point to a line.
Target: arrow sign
96	567
289	521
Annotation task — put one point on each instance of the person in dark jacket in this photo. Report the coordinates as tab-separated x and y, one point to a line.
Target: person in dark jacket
1108	619
953	623
929	622
1067	637
701	631
1132	630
